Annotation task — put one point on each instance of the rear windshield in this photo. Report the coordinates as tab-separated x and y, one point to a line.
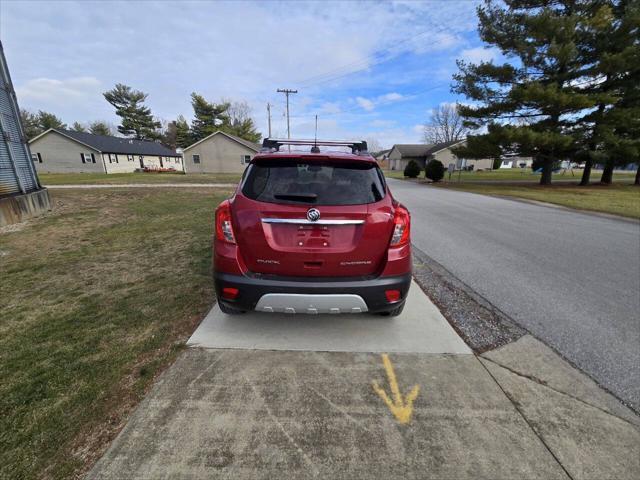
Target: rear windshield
314	183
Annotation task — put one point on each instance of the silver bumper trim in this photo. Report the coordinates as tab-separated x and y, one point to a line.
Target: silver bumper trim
304	221
311	304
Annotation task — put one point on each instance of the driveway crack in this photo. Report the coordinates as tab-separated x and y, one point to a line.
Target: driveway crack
524	417
546	385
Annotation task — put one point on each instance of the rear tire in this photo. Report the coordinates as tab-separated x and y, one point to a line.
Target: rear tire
395	312
230	310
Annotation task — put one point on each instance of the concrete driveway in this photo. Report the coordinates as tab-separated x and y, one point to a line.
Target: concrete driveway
570	278
275	396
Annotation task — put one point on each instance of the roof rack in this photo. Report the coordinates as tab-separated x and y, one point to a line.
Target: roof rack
274	144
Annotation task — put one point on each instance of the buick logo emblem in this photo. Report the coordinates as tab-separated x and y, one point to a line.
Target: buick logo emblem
313	214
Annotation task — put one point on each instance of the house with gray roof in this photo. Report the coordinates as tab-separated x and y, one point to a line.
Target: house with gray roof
422	153
67	151
220	152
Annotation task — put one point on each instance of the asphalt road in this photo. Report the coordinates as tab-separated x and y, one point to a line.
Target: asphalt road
571	279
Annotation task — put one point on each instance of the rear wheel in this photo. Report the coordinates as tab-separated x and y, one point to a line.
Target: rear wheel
395	312
230	310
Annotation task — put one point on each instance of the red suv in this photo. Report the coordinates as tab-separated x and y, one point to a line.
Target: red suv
312	232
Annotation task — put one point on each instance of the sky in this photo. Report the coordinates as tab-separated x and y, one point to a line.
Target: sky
369	70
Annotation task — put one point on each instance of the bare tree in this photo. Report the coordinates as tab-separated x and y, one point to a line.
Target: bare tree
374	145
444	125
238	111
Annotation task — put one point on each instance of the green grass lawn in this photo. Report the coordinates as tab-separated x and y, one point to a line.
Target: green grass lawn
514	175
97	297
618	199
123	178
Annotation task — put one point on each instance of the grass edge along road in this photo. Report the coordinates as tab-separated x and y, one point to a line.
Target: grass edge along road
621	198
97	298
47	179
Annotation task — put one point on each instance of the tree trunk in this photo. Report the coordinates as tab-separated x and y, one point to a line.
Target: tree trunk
545	178
586	174
607	173
637	182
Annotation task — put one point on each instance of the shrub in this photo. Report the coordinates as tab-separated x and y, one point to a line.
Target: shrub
434	170
412	170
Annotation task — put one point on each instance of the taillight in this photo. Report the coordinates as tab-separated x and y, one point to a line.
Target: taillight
401	227
224	230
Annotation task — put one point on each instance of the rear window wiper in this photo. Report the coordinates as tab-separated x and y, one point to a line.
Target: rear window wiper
297	197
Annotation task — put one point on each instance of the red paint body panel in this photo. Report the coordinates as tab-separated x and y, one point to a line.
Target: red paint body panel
312	250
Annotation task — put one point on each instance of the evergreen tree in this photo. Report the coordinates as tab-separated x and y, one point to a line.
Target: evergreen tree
481	146
434	171
78	127
136	118
208	117
48	120
412	169
183	135
100	128
29	123
34	124
610	61
540	37
246	129
169	135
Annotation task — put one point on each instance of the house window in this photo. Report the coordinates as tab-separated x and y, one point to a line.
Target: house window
196	158
245	159
36	157
130	158
113	158
88	158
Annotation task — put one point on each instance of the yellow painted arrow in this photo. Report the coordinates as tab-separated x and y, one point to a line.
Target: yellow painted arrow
401	409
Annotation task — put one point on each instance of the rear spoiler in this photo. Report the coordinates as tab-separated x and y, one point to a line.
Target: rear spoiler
274	144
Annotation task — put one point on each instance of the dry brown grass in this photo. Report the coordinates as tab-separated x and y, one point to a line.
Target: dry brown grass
96	299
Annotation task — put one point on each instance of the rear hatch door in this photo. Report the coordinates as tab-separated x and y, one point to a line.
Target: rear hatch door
313	218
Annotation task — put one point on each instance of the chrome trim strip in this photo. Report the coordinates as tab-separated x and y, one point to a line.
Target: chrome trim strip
311	303
304	221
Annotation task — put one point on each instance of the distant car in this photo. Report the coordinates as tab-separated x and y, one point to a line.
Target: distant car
312	232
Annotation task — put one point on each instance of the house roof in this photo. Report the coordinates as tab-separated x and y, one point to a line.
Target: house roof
108	144
381	152
253	146
422	149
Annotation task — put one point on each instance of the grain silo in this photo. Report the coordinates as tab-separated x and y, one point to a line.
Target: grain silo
21	195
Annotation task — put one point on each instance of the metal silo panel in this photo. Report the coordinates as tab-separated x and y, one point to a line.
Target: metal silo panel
8	181
17	173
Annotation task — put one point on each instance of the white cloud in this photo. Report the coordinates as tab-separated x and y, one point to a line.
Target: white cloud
369	104
390	97
365	103
53	91
478	54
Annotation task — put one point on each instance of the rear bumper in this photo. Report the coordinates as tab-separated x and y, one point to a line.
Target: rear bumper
252	289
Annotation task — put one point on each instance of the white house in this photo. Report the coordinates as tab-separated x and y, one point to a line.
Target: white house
67	151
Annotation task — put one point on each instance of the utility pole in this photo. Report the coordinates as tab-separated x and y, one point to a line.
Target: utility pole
269	116
286	91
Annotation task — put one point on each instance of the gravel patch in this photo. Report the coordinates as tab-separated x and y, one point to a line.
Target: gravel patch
481	325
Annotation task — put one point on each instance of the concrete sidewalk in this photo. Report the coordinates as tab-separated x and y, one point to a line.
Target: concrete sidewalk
420	329
262	408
